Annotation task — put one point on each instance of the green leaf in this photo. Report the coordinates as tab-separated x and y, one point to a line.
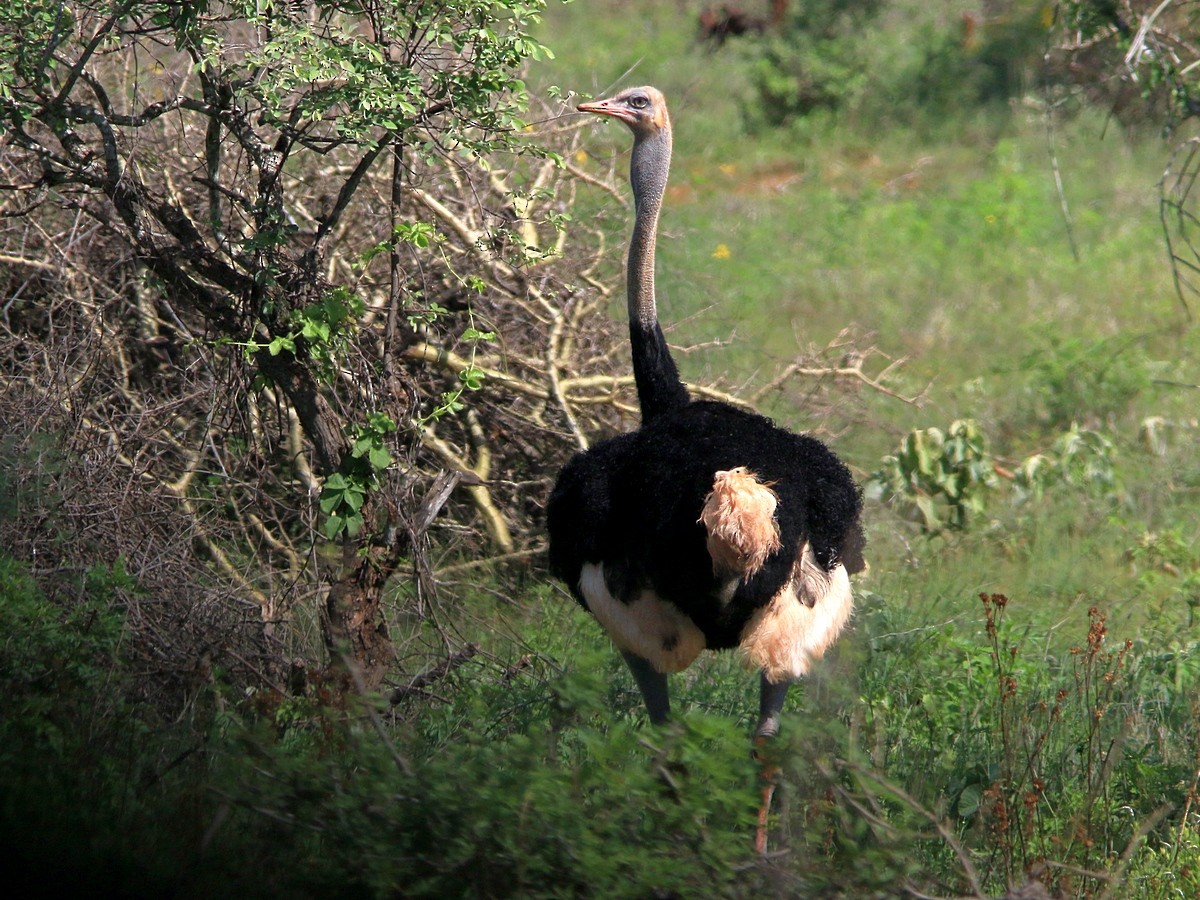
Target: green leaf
472	378
381	423
928	511
316	331
281	343
379	458
969	800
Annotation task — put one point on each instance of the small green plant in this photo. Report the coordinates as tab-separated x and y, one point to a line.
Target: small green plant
941	477
1171	869
1167	562
470	377
345	492
320	332
1082	758
48	653
1080	457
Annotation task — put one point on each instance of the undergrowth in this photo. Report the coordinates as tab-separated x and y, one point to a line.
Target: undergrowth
998	759
957	758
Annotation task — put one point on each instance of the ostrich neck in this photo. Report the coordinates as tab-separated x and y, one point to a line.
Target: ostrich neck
654	372
648	169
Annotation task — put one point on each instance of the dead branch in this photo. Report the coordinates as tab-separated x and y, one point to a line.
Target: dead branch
434	674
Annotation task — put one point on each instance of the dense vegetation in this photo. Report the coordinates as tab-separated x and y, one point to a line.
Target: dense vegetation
299	319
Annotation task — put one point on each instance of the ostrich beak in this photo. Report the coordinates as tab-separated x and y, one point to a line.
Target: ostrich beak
608	108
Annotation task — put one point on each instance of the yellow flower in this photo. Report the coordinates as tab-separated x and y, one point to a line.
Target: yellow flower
990	219
728	168
722	252
581	157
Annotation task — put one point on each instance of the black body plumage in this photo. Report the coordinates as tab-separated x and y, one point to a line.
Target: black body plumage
632	503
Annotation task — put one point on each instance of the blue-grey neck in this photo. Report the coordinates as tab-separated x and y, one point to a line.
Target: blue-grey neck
654	371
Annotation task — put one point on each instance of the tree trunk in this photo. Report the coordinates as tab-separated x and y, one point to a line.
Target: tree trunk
355	628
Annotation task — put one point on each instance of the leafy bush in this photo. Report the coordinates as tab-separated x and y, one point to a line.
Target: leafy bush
816	63
931	465
71	745
299	324
1075	380
1081	458
51	653
896	59
942	478
530	786
311	794
571	810
1134	58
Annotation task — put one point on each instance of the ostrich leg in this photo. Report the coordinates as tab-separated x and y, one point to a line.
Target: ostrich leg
770	705
653	685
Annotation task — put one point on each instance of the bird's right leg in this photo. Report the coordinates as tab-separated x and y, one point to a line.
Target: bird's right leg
770	705
653	685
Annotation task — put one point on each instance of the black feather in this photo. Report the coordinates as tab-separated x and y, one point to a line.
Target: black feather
632	503
659	387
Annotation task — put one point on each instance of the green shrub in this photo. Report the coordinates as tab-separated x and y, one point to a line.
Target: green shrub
895	59
1071	379
816	62
569	808
965	754
1080	458
312	794
942	479
73	752
1028	756
939	477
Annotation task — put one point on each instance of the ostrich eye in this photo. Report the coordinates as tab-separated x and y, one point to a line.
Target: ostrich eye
639	101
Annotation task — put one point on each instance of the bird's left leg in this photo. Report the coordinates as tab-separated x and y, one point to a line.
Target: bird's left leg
653	685
770	705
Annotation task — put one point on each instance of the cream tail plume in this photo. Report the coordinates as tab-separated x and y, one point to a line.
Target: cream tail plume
739	516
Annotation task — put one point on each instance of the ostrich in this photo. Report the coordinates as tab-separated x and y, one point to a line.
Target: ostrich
709	527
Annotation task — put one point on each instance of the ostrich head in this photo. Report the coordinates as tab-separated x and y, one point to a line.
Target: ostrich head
643	109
